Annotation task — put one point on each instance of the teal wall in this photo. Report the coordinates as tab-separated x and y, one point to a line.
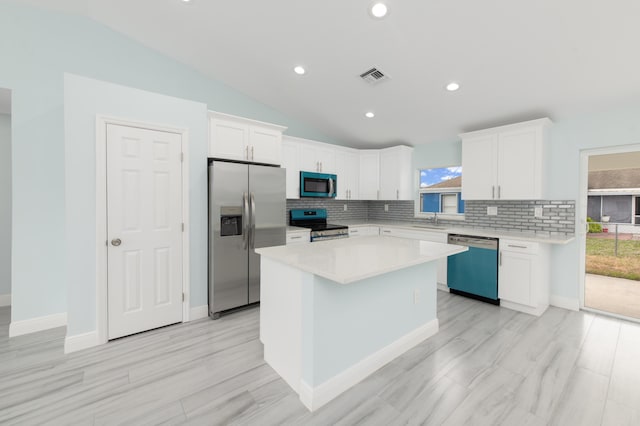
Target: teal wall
5	204
37	47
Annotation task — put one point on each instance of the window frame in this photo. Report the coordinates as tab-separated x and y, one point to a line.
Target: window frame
418	213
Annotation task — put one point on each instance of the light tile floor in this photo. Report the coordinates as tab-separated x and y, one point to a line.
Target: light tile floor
487	365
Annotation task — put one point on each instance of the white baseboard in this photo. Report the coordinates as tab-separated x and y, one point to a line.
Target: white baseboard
524	308
199	312
80	341
18	328
564	302
315	397
5	299
443	287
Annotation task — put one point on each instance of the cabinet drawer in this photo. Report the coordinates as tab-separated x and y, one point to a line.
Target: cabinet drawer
298	237
519	246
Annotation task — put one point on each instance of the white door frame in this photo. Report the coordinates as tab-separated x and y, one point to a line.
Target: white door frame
581	213
101	216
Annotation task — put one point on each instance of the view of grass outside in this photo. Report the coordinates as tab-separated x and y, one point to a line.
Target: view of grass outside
601	258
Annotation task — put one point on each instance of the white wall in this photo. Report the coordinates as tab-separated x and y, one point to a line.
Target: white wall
568	138
5	206
84	99
37	47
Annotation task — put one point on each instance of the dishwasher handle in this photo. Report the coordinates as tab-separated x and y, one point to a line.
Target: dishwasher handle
471	241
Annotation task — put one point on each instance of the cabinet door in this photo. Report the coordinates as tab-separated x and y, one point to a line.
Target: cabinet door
317	157
348	172
264	145
228	139
396	175
291	162
516	277
369	175
479	173
519	164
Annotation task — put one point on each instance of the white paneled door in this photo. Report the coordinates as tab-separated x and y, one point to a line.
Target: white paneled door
144	229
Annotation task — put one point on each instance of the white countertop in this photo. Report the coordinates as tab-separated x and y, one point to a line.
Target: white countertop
352	259
452	229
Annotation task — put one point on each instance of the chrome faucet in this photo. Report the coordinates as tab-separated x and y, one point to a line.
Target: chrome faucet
434	219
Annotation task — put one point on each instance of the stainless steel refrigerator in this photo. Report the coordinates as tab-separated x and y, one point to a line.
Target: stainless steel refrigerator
247	205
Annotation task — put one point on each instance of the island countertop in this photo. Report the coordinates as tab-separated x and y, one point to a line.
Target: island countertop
352	259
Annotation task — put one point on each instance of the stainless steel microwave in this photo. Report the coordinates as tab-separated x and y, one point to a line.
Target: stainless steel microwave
322	185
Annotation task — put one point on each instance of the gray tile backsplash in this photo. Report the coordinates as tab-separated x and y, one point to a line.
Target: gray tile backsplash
558	216
335	209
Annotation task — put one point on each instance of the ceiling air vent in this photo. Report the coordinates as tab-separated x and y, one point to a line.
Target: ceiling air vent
373	76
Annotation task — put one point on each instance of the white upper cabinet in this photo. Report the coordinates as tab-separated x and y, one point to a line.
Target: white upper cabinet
369	174
348	171
241	139
291	162
317	157
505	163
396	173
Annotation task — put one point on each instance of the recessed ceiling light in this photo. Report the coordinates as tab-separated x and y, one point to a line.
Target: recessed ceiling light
369	114
379	10
453	86
299	70
186	1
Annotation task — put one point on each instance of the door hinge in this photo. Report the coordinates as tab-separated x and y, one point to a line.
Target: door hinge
183	297
182	226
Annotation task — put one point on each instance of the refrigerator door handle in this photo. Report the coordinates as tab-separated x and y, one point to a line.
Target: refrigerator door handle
252	234
245	211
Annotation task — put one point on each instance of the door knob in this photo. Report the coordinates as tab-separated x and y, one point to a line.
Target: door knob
116	242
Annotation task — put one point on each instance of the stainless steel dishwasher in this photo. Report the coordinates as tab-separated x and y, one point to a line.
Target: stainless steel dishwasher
474	273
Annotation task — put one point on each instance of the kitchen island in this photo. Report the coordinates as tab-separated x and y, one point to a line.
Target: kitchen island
333	312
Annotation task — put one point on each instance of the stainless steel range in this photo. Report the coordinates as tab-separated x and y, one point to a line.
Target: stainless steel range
316	220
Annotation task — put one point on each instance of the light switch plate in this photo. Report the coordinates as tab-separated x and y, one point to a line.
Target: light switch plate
386	207
345	208
492	210
537	212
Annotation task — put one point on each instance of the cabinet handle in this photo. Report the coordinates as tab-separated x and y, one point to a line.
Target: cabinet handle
246	152
321	166
252	153
516	246
498	192
317	166
386	231
500	261
354	231
397	194
297	237
378	195
493	192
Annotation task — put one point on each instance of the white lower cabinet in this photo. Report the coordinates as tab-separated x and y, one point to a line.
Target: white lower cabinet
523	276
363	231
433	236
298	237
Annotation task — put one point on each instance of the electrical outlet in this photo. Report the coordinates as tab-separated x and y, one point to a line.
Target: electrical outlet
537	212
492	210
386	207
345	208
416	296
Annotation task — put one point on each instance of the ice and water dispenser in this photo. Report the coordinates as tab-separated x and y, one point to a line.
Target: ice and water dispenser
230	221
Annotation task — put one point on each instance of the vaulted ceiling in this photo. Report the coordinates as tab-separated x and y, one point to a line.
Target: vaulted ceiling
514	60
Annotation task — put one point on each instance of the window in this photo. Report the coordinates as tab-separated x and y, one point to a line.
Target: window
440	192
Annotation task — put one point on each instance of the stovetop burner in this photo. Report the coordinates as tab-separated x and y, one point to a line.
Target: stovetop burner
316	220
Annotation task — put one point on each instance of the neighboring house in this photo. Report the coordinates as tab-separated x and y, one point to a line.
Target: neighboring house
443	197
614	193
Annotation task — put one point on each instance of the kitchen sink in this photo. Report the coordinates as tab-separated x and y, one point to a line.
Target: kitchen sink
428	226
